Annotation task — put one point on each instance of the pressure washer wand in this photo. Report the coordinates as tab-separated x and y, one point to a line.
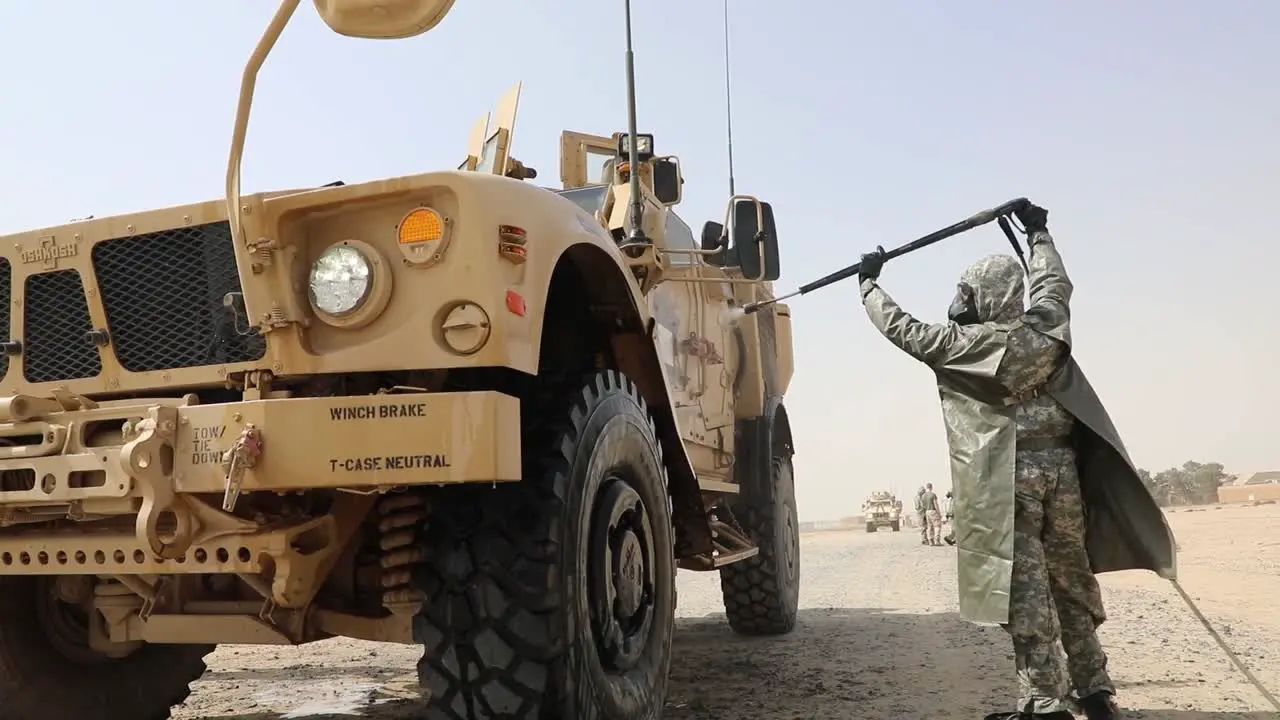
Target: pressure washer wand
978	220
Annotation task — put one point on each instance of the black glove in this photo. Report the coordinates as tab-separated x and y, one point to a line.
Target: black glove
1033	217
871	264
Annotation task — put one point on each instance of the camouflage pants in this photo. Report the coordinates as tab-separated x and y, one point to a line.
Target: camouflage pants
924	526
1053	593
933	526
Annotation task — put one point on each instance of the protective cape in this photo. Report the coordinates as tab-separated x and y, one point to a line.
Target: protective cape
1126	529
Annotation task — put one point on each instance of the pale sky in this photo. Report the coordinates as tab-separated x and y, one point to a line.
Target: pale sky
1147	128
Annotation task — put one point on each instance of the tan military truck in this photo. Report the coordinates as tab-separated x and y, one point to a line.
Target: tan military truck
452	409
882	509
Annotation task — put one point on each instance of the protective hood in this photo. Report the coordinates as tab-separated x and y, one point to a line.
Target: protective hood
998	286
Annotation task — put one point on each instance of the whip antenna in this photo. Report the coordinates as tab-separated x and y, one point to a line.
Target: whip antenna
728	104
637	201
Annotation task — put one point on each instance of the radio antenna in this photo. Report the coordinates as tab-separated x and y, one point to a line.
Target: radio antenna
728	103
637	201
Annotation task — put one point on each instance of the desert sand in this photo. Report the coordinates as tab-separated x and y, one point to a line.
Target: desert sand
878	637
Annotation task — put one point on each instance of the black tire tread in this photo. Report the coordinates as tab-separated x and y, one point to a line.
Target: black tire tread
751	588
493	594
38	683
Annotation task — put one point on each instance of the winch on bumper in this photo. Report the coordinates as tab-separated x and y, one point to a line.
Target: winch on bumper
182	468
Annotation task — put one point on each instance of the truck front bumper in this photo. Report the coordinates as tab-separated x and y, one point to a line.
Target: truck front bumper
173	461
352	442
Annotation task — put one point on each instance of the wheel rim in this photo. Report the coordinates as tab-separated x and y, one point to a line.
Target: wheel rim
621	577
790	543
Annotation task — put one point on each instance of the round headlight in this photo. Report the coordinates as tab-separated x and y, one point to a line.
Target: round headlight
340	280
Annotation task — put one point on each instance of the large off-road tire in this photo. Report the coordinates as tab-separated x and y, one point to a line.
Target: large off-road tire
871	527
762	594
554	597
48	672
896	526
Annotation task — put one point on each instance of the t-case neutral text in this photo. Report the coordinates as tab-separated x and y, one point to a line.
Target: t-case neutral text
374	463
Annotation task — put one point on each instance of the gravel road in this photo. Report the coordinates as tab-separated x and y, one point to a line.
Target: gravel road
878	638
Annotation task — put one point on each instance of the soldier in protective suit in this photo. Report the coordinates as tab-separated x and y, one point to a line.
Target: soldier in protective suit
1045	493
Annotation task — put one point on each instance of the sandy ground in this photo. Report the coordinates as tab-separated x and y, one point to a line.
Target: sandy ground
878	638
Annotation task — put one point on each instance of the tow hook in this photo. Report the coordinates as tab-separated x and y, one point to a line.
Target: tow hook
242	455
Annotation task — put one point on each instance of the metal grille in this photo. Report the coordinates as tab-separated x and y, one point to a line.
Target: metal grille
163	293
55	339
6	302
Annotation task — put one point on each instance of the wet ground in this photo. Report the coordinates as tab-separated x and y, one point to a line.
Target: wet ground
878	638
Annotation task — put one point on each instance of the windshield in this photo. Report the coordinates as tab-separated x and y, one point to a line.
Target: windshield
604	172
590	198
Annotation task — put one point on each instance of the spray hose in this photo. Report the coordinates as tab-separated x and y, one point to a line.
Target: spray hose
1231	655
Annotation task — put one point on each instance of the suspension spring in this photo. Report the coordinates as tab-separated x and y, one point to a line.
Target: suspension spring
401	516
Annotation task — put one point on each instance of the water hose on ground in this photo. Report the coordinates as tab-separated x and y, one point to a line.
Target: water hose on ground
1231	655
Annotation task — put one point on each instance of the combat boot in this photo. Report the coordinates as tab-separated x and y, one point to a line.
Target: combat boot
1100	706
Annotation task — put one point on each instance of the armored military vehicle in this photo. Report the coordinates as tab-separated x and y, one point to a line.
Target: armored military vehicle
882	509
453	409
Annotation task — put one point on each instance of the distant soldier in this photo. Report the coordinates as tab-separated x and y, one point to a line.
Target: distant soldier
920	515
932	516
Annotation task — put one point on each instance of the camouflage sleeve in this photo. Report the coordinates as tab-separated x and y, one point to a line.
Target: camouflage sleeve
1050	287
927	342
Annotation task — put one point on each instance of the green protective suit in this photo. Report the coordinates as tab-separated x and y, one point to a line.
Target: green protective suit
1126	529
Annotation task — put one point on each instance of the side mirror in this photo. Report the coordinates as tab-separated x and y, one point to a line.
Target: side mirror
668	183
382	19
755	239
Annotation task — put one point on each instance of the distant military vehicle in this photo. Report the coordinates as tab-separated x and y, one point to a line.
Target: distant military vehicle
452	409
882	509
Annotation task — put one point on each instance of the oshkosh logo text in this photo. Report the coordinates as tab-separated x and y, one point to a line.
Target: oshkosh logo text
49	252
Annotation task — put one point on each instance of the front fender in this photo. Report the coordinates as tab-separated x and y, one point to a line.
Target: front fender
560	235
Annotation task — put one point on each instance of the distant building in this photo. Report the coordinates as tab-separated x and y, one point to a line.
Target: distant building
1250	487
821	526
844	523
